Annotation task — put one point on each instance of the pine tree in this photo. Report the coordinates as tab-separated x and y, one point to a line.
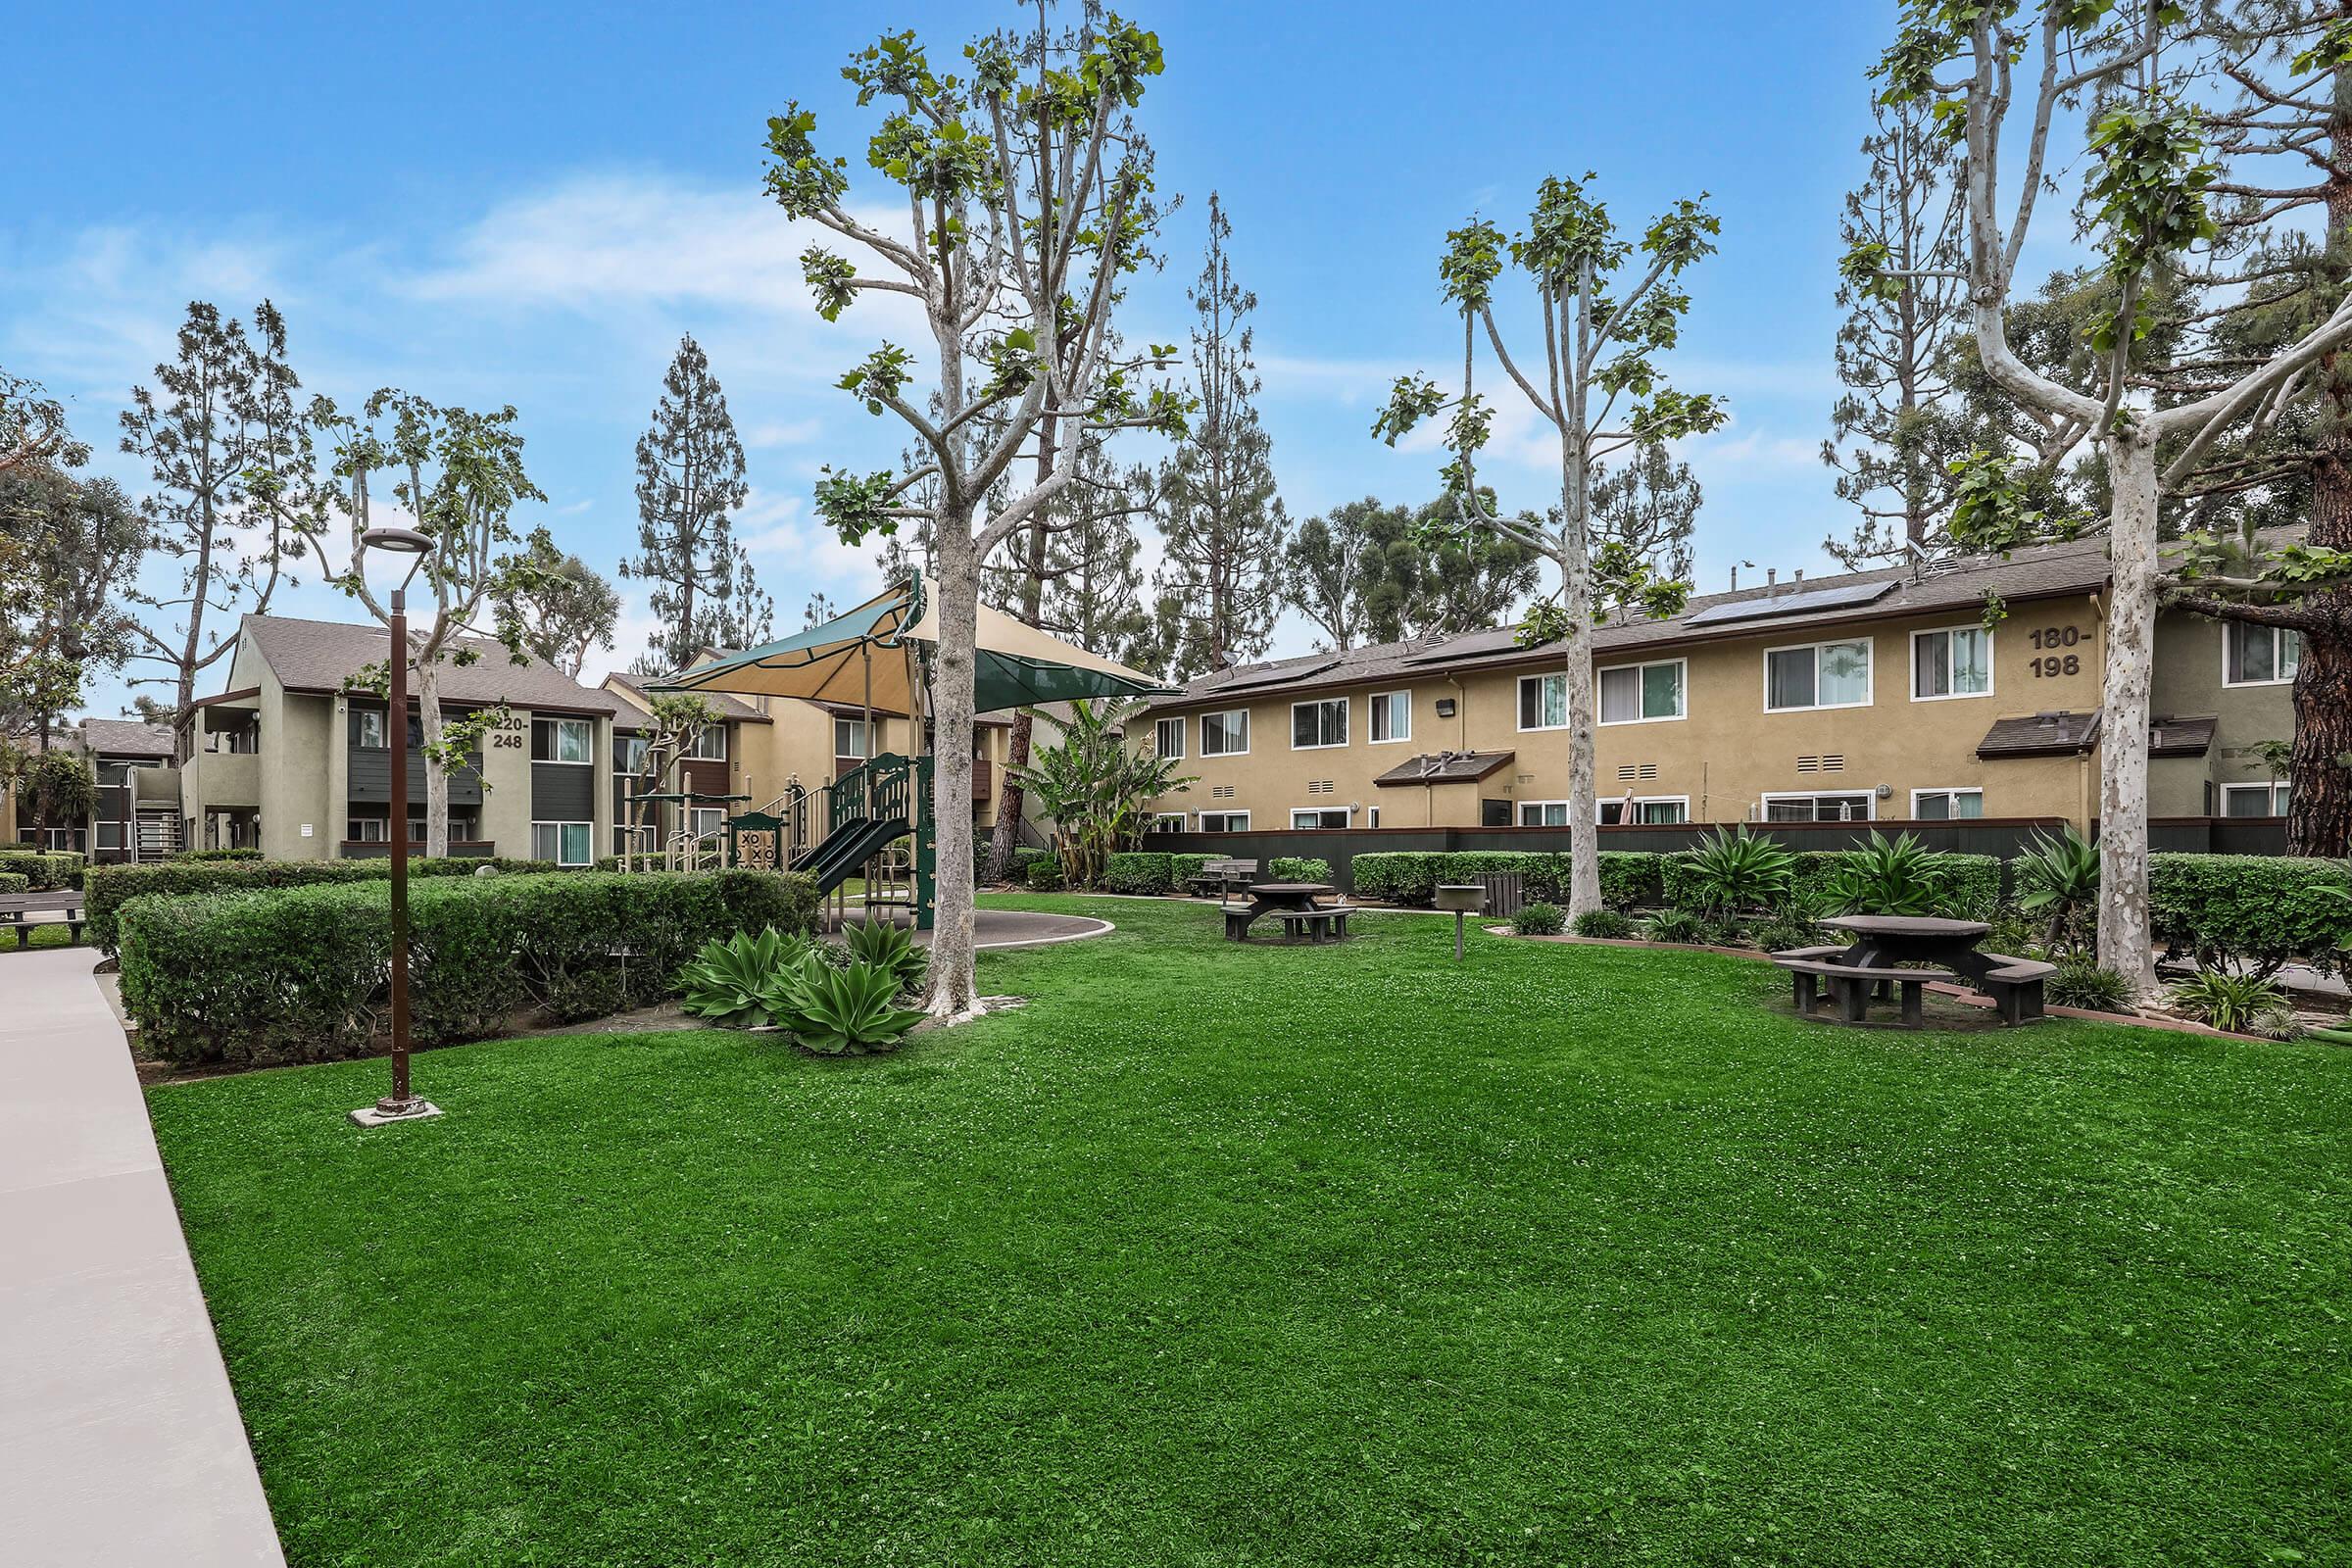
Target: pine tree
1223	524
690	480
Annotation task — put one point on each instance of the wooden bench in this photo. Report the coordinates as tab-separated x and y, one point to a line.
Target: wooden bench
1852	986
2015	986
1222	877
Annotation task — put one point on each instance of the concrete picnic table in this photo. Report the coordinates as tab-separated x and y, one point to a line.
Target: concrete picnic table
1887	950
1296	904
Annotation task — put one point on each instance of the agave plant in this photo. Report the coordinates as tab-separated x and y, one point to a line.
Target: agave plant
840	1013
2229	1002
1734	870
2058	880
730	980
885	946
1673	926
1890	876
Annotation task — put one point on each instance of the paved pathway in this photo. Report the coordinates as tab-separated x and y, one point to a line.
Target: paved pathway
119	1441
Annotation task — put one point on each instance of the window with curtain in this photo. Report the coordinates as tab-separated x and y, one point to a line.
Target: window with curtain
1633	693
1953	662
1544	702
2259	656
1225	734
1822	675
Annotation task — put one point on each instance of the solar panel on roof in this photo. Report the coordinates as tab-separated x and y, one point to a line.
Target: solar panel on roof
1276	677
1799	604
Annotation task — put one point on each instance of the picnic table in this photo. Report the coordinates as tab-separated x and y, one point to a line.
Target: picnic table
1905	953
64	907
1297	905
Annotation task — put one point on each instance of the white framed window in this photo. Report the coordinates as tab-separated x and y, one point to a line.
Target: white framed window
1946	805
367	725
1544	702
1817	675
110	834
1644	810
367	830
850	738
1642	693
2254	800
1224	821
1167	822
1225	734
1951	662
704	821
1843	805
2259	656
1168	737
629	753
710	744
1391	717
1543	813
564	843
1319	816
560	739
1319	723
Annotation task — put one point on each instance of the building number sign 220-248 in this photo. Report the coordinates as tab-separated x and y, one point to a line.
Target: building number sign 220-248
2051	662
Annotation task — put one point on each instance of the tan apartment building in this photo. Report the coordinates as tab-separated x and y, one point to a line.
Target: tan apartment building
1861	697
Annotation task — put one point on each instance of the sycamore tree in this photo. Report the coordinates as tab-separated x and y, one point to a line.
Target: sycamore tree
565	606
1608	304
456	476
1995	73
34	427
1024	192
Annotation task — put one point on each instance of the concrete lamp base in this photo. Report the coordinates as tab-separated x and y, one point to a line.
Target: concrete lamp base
377	1115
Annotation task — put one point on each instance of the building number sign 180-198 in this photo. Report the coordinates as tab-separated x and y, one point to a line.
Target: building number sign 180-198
2051	661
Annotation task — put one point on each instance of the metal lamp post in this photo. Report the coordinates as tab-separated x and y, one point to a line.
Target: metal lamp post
400	1104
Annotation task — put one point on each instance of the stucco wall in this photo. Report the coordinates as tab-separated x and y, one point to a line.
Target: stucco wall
2188	682
1724	755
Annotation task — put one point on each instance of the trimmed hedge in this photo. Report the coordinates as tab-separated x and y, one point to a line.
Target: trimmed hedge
14	882
45	870
1300	868
2257	910
215	855
300	974
1973	888
113	886
1138	872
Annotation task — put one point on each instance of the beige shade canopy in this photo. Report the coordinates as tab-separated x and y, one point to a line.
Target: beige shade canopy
869	656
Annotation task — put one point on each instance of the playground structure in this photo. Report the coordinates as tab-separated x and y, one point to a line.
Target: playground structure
877	817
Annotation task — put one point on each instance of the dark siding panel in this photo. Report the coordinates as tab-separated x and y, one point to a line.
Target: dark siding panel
562	791
372	772
705	778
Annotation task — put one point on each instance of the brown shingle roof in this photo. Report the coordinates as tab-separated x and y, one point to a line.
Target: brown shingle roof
126	737
319	655
729	706
2063	734
1445	767
2046	571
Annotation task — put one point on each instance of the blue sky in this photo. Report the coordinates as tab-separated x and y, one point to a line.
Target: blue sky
528	205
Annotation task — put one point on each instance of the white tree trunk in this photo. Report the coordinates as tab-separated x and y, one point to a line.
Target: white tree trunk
2125	941
1583	812
436	778
954	991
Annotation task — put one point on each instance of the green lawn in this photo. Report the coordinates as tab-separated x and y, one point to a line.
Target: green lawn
45	934
1344	1255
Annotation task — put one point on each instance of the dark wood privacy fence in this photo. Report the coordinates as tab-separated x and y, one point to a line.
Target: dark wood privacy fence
2005	837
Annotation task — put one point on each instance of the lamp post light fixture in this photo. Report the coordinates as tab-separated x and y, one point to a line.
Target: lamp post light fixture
400	1104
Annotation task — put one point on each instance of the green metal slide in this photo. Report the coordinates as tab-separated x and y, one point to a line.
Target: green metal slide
842	852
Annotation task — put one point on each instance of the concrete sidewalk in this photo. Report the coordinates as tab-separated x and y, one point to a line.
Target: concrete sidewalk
119	1441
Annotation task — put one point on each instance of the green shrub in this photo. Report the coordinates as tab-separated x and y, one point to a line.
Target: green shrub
1733	870
1611	923
1970	888
1045	875
1138	872
2260	911
113	886
2227	1002
1182	869
45	870
215	855
1538	920
299	973
14	882
1779	933
2056	882
2082	983
1300	868
882	945
1673	926
1899	875
730	980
